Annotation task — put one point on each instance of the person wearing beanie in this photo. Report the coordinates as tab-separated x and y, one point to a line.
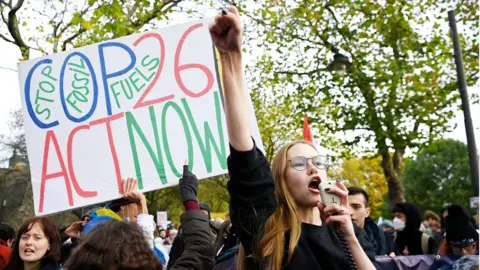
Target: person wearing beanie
461	235
205	208
387	226
409	239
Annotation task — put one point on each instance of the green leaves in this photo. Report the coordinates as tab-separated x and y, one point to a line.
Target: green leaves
438	175
400	90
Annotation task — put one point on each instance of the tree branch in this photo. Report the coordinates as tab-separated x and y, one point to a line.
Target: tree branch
17	6
83	12
280	29
311	72
6	39
7	68
336	25
56	27
3	18
132	11
15	32
139	23
70	39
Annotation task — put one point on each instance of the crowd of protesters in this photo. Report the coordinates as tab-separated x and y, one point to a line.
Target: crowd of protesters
276	218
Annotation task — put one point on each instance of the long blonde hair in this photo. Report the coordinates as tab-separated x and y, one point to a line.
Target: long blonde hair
285	218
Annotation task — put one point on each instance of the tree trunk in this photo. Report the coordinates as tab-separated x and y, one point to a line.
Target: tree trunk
393	173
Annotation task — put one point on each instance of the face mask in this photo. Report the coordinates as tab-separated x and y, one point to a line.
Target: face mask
398	224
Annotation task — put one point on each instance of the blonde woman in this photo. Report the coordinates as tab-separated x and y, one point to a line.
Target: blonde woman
276	213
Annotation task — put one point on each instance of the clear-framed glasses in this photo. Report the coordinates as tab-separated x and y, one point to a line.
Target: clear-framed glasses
301	163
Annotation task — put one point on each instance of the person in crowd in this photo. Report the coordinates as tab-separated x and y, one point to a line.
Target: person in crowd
114	245
205	209
179	249
430	219
461	235
85	218
156	237
409	239
7	238
37	246
387	226
131	208
172	236
360	213
213	226
163	235
276	212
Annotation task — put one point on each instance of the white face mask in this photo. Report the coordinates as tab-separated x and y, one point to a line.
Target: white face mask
398	224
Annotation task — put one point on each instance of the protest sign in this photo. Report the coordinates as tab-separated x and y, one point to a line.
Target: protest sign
136	106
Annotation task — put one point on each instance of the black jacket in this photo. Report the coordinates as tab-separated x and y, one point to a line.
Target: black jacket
390	245
411	236
376	236
252	201
194	248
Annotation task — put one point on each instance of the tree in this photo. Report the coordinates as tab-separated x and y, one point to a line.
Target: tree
67	23
399	90
439	174
14	144
365	173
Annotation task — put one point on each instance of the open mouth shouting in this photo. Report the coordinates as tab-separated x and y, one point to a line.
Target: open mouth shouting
29	252
313	186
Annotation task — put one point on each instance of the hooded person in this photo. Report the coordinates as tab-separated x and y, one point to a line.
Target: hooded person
461	235
409	239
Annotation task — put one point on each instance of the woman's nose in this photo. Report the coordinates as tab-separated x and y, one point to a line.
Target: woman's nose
29	241
311	168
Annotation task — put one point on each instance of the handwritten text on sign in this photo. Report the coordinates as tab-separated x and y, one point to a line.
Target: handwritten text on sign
135	106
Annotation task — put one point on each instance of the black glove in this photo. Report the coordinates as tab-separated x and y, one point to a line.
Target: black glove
188	185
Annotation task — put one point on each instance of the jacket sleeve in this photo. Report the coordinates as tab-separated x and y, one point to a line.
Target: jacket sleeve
366	245
198	252
145	222
252	197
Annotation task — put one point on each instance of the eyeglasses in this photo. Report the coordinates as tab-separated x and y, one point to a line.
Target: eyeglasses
301	163
468	248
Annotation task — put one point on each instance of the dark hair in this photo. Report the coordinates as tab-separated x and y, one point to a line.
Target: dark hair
431	215
357	190
114	245
6	232
115	204
51	233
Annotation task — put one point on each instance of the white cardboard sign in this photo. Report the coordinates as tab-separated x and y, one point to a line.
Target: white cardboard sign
136	106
